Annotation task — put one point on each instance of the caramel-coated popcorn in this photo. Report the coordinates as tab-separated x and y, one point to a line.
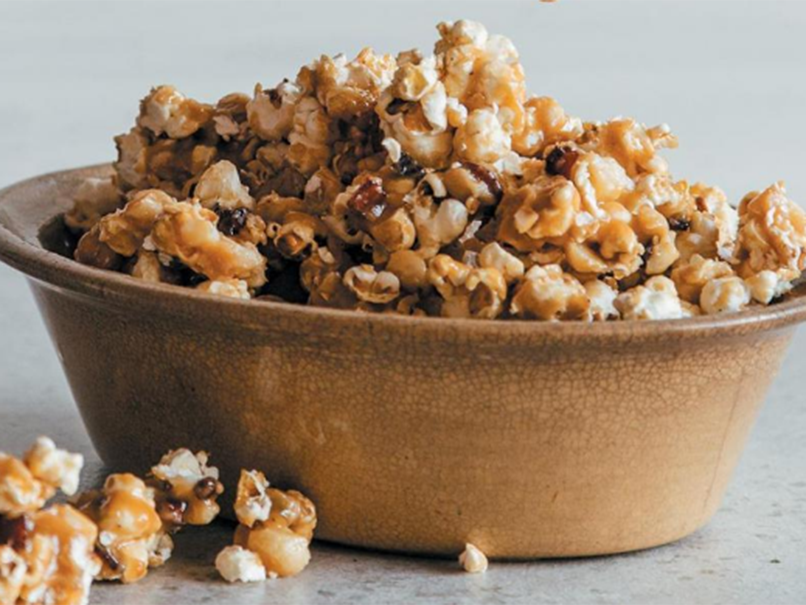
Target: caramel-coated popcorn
275	531
46	554
117	532
429	185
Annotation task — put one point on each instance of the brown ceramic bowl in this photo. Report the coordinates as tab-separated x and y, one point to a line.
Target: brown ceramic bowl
528	439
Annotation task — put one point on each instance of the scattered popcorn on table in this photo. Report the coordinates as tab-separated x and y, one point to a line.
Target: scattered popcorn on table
473	560
275	531
429	185
46	554
25	485
117	532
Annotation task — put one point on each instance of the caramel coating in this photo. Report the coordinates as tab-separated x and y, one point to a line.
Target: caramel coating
275	525
429	185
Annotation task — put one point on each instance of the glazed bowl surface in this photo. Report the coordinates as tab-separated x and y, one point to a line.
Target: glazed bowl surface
527	439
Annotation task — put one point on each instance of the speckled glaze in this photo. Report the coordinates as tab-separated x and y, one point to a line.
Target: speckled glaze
528	439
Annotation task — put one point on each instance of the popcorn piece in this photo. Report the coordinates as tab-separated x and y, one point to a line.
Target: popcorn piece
232	288
20	491
409	267
482	138
657	299
188	232
538	212
54	550
220	186
371	286
772	234
12	574
128	524
633	147
350	88
467	291
493	256
767	286
599	180
126	230
438	225
53	466
188	479
724	295
309	137
473	560
546	123
549	294
93	199
271	112
167	111
236	564
601	298
131	165
281	540
252	503
690	277
25	485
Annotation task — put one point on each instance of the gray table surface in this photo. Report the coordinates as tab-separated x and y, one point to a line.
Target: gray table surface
62	99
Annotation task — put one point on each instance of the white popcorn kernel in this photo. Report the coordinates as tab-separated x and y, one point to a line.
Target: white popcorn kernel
221	186
236	564
767	285
252	503
473	560
493	256
725	295
54	466
657	299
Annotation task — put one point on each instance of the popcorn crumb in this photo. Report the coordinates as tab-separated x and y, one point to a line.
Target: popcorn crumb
473	560
236	564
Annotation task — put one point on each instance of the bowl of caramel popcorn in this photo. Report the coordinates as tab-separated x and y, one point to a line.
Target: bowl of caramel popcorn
447	309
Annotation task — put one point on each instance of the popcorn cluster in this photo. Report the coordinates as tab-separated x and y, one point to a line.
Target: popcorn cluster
136	518
52	555
429	186
274	532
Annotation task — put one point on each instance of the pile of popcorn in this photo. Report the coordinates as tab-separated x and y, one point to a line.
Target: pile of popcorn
51	555
429	186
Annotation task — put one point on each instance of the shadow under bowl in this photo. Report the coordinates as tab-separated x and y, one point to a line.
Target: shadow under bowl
527	439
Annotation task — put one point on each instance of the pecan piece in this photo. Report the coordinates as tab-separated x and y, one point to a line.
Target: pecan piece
231	221
560	161
369	200
488	177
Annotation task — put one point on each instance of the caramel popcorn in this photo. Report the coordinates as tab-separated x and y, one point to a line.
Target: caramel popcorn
25	485
117	532
136	518
274	535
429	184
46	554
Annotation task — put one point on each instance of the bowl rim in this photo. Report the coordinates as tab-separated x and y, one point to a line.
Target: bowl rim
47	267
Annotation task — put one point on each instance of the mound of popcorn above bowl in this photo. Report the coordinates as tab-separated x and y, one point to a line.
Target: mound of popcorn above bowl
429	186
